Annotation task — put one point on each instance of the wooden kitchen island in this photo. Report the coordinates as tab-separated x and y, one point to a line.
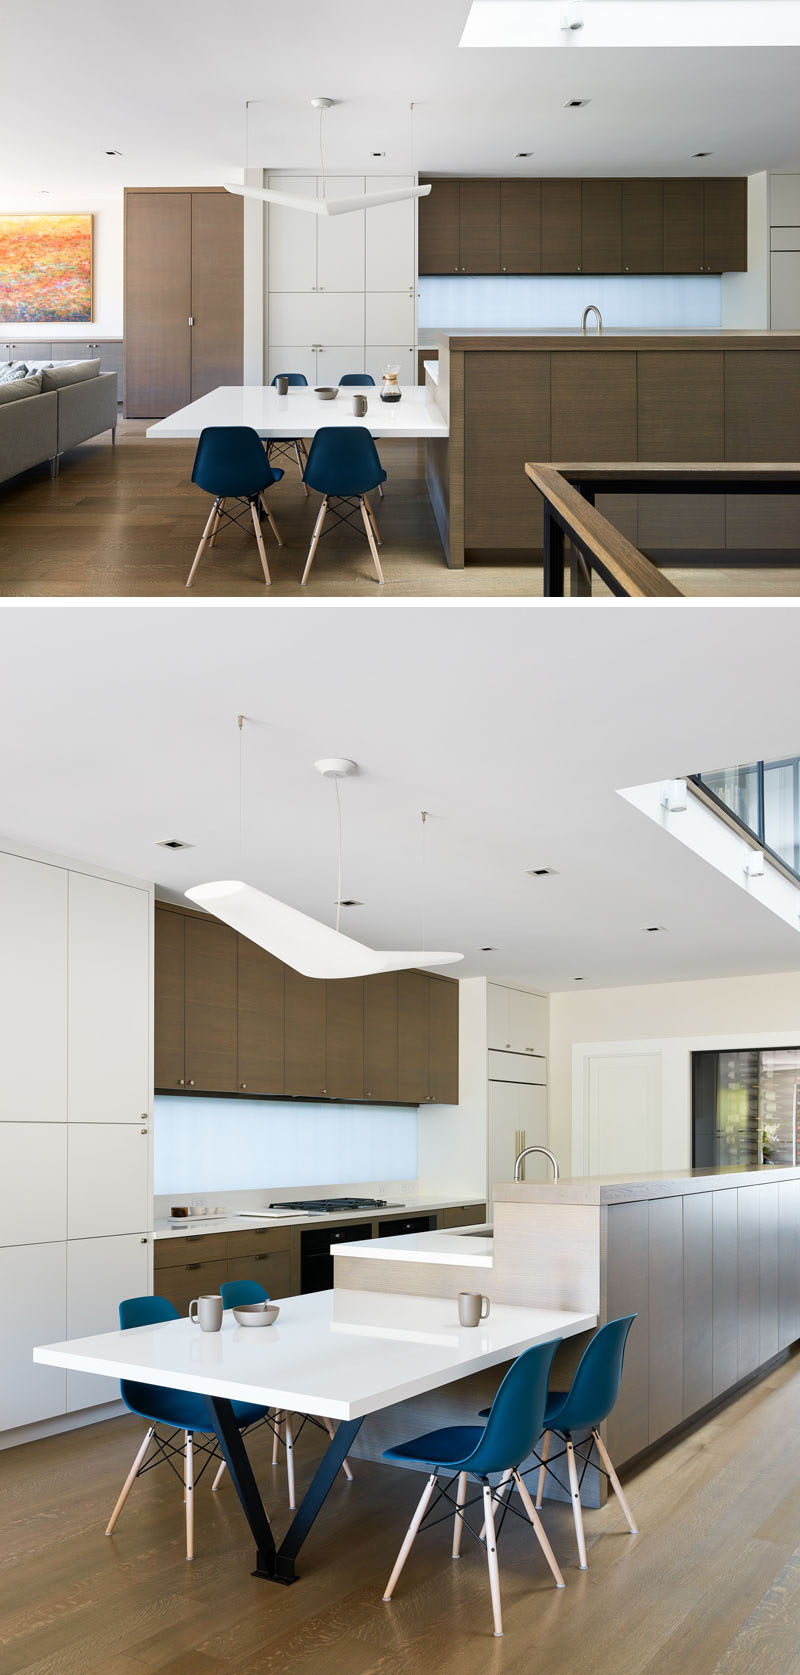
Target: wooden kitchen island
557	395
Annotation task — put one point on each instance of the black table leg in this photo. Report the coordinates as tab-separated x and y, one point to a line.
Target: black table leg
553	556
313	1499
234	1454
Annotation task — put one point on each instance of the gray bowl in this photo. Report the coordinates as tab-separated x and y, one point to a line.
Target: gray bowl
326	392
256	1314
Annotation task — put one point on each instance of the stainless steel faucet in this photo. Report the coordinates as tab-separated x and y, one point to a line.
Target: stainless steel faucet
526	1152
592	309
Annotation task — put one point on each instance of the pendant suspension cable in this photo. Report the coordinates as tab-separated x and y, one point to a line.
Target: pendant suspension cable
321	157
240	724
339	872
423	879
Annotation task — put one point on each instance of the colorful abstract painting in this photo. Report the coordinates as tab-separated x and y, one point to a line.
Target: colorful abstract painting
45	268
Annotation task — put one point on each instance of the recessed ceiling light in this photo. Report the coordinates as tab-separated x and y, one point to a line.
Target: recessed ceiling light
173	843
541	872
523	153
489	949
577	979
702	154
109	152
348	901
653	930
575	104
378	153
43	192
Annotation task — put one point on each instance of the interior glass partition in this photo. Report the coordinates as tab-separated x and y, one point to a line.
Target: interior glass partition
764	798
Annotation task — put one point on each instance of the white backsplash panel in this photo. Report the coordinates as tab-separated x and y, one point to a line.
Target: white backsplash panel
653	302
231	1145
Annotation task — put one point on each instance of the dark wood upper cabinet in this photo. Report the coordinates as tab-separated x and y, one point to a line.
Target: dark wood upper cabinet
683	226
344	1038
439	228
443	1040
642	226
520	226
210	1006
479	226
725	225
380	1036
170	982
601	226
260	1017
561	226
304	1036
412	1037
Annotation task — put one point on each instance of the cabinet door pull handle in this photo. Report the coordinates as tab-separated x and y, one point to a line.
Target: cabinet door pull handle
182	1083
190	1266
142	1130
243	1084
143	1241
191	1084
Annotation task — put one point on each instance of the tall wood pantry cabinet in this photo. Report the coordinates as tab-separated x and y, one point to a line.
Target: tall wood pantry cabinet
184	276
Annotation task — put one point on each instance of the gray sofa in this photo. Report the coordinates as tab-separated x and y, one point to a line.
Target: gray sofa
76	402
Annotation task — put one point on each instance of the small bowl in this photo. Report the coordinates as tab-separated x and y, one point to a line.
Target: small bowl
256	1314
326	392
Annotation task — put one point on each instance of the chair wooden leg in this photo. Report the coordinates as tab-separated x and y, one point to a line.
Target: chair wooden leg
576	1504
289	1434
276	1434
328	1423
544	1457
491	1555
301	469
272	524
371	538
410	1536
539	1528
380	490
504	1487
260	542
614	1480
188	1479
129	1481
218	1479
458	1522
315	540
373	520
215	531
201	549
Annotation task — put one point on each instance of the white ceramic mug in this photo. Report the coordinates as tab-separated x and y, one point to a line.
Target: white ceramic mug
206	1312
472	1307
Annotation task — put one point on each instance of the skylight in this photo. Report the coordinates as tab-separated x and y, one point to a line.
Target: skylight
632	23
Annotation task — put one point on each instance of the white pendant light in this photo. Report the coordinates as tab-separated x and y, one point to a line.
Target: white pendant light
325	205
305	944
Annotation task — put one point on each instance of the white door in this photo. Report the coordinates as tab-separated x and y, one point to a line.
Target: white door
33	1172
392	354
340	239
292	238
527	1022
517	1118
292	318
390	238
623	1113
389	317
498	1018
293	359
340	320
785	290
332	364
33	991
109	1001
33	1287
100	1273
108	1175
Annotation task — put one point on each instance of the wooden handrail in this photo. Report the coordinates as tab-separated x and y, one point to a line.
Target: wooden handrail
625	569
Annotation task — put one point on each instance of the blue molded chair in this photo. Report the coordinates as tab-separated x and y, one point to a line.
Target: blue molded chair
176	1410
480	1452
364	380
284	446
234	1293
231	464
343	465
582	1408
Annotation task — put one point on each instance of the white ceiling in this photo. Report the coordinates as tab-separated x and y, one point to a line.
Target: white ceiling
167	83
513	725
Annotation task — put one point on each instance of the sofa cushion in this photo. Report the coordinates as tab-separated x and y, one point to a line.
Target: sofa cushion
57	377
19	388
16	369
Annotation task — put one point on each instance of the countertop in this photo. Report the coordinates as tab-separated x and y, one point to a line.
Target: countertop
559	337
626	1189
452	1250
235	1223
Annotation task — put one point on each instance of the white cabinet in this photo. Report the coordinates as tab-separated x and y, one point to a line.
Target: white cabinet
292	257
785	290
109	980
292	358
33	991
784	200
33	1172
100	1272
516	1067
391	264
341	239
516	1019
332	364
389	317
336	318
33	1289
380	356
517	1118
108	1179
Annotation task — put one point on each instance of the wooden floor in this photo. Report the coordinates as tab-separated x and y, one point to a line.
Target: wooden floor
125	522
711	1586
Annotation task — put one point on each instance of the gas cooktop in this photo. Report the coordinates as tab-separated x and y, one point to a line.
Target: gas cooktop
329	1206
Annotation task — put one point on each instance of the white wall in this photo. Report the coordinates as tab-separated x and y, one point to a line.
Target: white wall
745	296
510	301
108	243
672	1019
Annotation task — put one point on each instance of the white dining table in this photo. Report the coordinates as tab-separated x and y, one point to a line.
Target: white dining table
302	413
335	1354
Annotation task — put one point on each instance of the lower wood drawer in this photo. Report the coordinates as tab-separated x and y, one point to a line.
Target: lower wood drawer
194	1279
208	1247
253	1240
272	1269
465	1215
